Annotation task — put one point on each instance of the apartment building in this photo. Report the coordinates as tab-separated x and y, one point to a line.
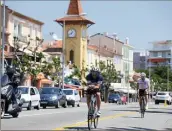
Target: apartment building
160	54
127	63
109	44
139	60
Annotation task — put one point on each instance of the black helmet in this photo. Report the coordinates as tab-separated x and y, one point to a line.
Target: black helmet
10	70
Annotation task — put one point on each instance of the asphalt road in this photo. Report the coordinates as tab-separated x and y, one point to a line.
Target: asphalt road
115	117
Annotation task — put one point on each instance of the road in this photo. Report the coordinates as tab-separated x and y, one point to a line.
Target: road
115	117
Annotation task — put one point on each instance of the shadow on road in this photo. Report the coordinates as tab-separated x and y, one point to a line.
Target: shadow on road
117	129
148	111
129	117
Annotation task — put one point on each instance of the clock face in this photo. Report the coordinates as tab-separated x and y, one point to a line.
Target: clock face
71	33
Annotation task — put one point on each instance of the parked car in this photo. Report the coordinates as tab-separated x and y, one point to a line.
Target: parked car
162	96
73	97
114	98
31	97
52	96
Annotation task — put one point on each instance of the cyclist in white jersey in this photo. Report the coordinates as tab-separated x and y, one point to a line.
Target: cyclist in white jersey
143	85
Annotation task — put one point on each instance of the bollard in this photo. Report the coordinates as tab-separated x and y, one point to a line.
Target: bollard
165	103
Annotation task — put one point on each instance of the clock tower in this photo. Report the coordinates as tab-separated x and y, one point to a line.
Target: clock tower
75	27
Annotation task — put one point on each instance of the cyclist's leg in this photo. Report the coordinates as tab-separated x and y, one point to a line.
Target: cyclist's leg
88	98
98	102
146	98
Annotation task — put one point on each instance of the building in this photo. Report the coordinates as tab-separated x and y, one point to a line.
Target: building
160	54
127	63
21	29
76	26
139	61
110	46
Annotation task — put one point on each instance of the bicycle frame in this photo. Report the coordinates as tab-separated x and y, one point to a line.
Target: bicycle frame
142	104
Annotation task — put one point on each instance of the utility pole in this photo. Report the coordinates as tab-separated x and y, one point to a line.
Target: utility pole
63	54
3	36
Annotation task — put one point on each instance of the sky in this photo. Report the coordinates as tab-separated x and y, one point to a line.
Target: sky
141	21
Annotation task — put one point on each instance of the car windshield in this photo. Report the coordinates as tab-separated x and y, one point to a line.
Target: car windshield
49	91
114	95
162	94
4	80
68	92
24	90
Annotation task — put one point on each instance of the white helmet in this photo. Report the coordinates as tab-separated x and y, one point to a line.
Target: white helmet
143	74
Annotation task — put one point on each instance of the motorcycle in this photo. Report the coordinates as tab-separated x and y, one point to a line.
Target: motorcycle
9	87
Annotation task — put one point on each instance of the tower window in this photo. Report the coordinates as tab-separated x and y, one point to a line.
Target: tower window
72	56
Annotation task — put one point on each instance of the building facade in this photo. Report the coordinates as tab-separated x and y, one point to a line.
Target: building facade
110	46
127	63
160	54
139	61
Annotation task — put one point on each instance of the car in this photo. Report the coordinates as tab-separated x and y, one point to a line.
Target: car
31	97
114	98
73	97
162	96
52	96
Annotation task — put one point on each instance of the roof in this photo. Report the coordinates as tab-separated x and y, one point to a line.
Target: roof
25	17
92	47
75	7
108	36
74	19
163	42
74	14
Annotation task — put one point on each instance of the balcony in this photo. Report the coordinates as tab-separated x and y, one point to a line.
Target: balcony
166	48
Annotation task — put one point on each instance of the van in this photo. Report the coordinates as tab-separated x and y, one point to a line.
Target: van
73	97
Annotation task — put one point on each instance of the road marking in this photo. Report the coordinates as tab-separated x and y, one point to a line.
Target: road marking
100	119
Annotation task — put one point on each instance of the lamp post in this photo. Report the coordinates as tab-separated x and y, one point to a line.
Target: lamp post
3	37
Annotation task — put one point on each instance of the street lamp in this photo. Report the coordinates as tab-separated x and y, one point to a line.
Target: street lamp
3	37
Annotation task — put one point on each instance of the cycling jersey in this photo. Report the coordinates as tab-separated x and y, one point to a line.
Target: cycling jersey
91	79
144	84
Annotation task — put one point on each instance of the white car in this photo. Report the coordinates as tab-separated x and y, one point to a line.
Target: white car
31	96
162	96
73	97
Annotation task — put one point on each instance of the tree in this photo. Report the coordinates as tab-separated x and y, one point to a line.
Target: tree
28	63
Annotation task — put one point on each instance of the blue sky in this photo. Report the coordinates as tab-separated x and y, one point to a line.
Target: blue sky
141	21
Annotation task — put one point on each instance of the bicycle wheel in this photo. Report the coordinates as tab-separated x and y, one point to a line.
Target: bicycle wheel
96	120
142	107
90	116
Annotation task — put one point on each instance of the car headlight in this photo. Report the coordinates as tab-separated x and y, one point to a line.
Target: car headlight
54	97
115	99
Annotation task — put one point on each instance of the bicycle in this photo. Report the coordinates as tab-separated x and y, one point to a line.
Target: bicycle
92	112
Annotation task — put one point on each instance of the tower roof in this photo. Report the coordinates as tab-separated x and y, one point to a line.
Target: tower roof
75	8
74	14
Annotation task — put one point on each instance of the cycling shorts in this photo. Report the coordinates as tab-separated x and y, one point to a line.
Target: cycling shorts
92	90
143	92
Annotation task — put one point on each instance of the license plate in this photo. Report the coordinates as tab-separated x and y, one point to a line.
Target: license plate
42	102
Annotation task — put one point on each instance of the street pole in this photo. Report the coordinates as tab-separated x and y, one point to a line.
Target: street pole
63	54
3	36
168	77
128	77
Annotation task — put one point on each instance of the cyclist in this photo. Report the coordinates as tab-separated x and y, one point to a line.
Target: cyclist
94	78
143	85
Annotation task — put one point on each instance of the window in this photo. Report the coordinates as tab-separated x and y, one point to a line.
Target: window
36	32
72	56
32	92
15	29
20	29
36	90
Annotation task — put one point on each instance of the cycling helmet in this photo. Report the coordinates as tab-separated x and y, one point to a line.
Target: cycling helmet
143	74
